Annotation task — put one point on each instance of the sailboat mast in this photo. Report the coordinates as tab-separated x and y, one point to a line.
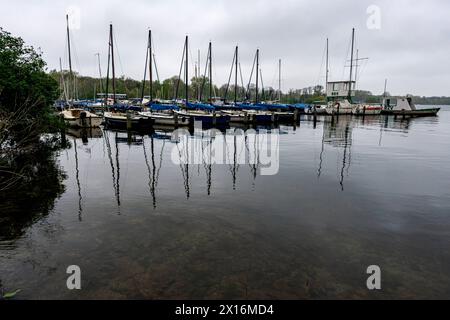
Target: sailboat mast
150	69
107	72
100	71
196	78
327	71
356	65
236	75
69	51
145	72
279	80
187	74
210	73
63	82
198	82
111	41
351	66
257	69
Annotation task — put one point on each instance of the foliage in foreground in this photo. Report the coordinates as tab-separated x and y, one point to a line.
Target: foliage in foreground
26	95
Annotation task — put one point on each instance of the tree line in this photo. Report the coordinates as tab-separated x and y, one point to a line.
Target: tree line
173	87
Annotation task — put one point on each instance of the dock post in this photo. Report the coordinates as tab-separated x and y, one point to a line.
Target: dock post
83	119
296	115
128	120
214	118
175	118
364	111
315	116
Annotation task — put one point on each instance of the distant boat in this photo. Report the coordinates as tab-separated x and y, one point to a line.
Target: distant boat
405	107
80	118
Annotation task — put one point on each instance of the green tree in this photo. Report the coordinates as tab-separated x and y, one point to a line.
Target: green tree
26	95
23	80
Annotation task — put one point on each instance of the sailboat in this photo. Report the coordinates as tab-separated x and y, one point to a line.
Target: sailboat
81	118
75	117
340	93
256	111
159	113
121	120
198	111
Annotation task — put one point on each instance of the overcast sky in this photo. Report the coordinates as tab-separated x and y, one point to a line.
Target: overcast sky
409	44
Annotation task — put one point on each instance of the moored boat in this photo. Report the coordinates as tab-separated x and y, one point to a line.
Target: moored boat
406	108
206	118
237	116
80	118
339	107
167	118
119	120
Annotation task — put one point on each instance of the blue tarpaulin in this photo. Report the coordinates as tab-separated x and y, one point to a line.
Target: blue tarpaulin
249	106
199	106
162	106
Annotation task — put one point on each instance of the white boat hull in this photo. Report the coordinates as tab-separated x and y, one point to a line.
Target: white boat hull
360	110
166	119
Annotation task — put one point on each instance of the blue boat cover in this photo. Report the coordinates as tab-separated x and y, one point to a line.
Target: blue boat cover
199	106
250	106
163	106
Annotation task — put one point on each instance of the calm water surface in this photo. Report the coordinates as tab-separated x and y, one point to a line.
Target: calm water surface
348	194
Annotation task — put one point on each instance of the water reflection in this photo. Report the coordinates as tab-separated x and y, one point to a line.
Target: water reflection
153	171
223	230
337	132
115	182
33	198
77	177
84	133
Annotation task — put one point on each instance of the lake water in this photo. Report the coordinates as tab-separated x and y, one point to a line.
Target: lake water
348	194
